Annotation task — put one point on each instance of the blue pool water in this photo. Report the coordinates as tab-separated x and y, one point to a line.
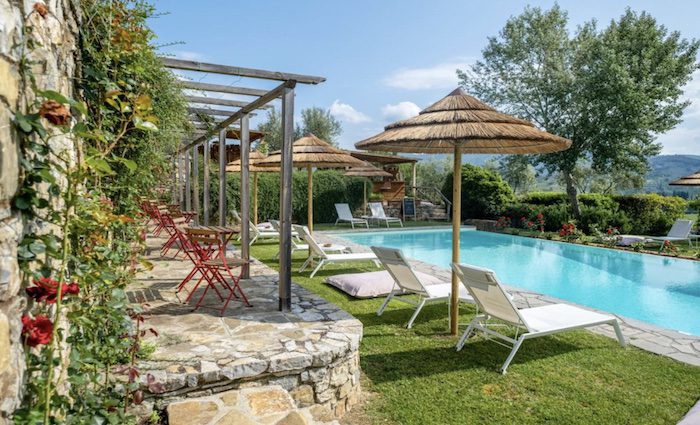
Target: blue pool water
654	289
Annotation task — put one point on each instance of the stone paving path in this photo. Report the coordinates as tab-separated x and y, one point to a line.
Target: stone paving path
679	346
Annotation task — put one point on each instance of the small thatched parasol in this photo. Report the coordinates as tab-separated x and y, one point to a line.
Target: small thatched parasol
691	180
458	124
309	152
366	170
235	167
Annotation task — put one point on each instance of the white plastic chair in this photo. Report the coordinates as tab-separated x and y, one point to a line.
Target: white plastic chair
493	303
407	283
345	215
321	257
378	214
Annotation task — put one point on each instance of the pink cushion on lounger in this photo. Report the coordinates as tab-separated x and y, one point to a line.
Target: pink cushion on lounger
372	284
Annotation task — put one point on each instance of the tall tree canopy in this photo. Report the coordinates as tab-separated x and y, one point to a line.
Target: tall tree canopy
610	91
314	120
321	123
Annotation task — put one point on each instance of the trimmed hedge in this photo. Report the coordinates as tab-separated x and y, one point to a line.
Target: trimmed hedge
648	214
330	187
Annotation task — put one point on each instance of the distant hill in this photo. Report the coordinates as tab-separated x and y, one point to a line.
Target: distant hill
666	168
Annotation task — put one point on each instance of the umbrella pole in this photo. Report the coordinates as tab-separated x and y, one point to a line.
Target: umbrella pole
310	206
456	218
255	198
364	196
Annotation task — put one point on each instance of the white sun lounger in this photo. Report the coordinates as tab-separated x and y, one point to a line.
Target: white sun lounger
406	282
345	216
493	303
379	215
257	233
319	256
680	231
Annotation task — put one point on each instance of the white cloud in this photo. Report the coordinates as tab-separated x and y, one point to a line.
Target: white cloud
685	138
188	55
440	76
347	113
400	111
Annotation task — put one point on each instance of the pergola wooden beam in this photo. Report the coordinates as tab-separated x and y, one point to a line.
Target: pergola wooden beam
262	100
218	101
210	111
186	65
220	88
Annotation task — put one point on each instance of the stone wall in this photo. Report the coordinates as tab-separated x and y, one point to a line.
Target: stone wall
56	34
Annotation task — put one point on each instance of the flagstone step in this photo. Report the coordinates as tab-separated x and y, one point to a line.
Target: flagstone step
266	405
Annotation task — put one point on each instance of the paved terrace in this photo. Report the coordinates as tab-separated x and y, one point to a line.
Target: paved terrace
679	346
213	362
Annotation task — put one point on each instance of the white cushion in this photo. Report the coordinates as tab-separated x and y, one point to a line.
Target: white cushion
373	284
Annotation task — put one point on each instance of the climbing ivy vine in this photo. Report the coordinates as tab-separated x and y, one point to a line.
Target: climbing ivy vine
85	163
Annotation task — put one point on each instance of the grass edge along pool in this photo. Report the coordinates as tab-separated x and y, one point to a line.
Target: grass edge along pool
663	291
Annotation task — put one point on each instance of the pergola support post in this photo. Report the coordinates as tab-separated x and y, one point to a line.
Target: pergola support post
195	183
181	177
206	183
222	177
245	194
285	265
188	182
310	198
456	225
255	199
413	180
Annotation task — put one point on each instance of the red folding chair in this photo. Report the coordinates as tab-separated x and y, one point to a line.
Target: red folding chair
214	268
172	223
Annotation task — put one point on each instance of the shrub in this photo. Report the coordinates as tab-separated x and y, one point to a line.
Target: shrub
555	216
651	214
543	198
484	192
516	211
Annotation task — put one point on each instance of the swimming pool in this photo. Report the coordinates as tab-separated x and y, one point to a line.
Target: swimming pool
660	290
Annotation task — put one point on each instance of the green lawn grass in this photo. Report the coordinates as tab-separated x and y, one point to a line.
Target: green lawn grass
572	378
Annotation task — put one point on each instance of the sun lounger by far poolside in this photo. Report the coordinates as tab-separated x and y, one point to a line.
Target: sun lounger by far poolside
680	231
493	303
345	216
377	214
321	258
407	282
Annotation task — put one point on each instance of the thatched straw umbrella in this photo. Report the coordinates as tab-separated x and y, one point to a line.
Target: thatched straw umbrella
458	124
235	167
310	152
691	180
366	170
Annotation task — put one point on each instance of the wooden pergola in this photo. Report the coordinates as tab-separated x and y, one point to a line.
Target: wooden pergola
212	121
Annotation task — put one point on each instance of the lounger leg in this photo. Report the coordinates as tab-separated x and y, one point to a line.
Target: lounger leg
336	222
466	333
512	354
621	338
415	313
320	265
352	224
306	263
385	303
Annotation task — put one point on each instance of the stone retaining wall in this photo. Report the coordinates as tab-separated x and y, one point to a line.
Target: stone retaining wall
55	69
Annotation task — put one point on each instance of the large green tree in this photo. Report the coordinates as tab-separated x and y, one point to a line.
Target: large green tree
518	172
610	91
314	120
321	123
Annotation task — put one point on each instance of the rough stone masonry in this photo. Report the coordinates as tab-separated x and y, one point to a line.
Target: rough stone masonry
55	68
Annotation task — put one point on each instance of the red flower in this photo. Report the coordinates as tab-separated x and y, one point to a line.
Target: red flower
36	331
539	216
46	289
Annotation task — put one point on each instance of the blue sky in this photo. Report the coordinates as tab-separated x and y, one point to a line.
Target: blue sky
383	60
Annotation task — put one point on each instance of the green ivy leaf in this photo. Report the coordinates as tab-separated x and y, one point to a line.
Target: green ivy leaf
99	165
54	95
